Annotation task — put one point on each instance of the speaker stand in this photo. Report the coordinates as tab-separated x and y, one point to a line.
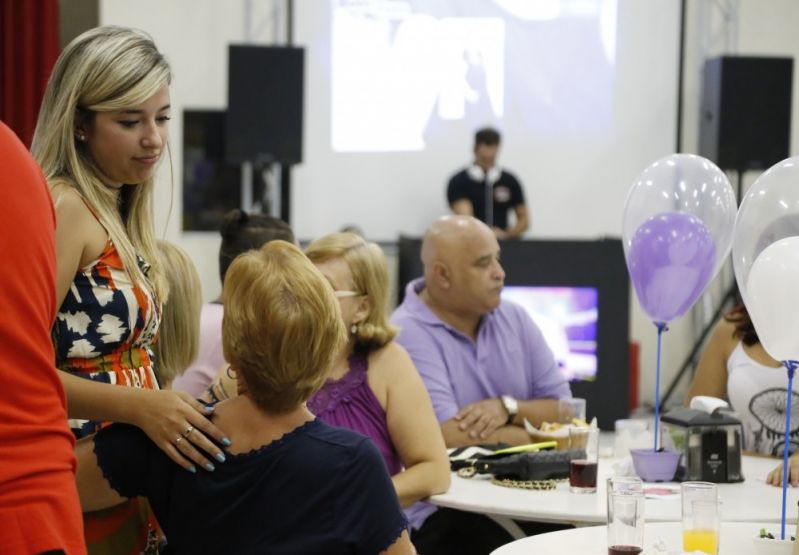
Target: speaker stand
285	193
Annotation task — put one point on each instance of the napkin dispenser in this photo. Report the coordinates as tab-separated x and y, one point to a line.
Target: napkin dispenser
709	443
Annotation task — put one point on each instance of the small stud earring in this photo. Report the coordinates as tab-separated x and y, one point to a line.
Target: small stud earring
354	329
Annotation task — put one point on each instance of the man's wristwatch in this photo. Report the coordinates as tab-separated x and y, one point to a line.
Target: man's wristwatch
511	407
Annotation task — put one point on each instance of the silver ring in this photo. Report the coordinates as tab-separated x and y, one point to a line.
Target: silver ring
188	431
177	442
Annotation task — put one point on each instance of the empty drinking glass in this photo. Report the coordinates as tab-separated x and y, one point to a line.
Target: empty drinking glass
571	409
625	518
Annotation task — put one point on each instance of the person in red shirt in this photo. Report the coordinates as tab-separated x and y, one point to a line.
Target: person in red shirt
39	508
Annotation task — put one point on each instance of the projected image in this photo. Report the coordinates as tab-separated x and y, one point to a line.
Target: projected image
401	70
567	316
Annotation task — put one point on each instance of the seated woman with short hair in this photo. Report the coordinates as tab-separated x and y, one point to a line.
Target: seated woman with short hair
291	484
373	387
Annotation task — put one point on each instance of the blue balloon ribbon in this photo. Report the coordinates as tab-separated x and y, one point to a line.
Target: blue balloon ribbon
791	366
661	326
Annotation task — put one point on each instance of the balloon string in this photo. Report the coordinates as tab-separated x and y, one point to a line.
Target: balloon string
661	326
791	365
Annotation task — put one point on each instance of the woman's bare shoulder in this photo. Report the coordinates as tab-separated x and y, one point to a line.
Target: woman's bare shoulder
390	363
67	199
392	353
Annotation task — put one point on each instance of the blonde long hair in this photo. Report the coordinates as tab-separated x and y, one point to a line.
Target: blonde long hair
103	69
179	333
367	264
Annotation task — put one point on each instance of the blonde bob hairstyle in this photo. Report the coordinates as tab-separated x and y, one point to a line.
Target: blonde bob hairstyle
367	264
102	70
179	333
282	325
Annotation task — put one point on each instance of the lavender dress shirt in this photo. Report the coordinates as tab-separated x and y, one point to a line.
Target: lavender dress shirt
510	356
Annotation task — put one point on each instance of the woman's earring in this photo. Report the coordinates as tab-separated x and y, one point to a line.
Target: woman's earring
354	329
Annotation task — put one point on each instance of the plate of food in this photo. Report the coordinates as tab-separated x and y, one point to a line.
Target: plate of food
555	431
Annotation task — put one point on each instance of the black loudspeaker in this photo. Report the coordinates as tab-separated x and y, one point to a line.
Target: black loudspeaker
745	121
265	101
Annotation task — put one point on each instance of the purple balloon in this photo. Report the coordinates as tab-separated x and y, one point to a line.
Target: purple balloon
671	259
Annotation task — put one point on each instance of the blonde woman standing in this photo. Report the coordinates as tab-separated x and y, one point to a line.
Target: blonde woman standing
101	133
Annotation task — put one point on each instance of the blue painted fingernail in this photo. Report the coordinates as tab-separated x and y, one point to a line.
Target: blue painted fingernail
220	457
192	469
225	442
209	467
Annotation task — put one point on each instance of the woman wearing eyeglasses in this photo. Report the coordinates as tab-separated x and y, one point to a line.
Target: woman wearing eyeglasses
373	387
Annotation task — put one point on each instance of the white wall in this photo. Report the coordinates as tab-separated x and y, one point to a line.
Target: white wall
194	35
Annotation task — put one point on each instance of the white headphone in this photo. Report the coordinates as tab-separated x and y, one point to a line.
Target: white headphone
479	174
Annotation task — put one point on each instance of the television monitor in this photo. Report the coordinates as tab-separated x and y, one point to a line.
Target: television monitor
567	317
583	287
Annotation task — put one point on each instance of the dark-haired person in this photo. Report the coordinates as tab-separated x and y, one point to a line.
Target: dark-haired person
292	484
488	192
39	508
735	366
240	232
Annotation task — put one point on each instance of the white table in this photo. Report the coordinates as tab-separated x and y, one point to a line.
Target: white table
750	501
735	539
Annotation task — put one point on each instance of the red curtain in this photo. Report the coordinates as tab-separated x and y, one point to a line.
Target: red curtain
28	49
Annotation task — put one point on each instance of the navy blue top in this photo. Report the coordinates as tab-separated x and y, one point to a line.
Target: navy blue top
507	194
318	489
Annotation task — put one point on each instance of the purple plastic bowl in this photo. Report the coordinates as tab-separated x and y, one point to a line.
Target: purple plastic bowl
655	466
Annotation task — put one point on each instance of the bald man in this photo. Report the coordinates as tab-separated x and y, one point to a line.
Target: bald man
485	363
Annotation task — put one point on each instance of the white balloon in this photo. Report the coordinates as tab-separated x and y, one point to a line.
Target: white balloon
773	298
769	212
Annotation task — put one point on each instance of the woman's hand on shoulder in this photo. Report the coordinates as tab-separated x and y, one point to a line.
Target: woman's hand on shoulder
177	424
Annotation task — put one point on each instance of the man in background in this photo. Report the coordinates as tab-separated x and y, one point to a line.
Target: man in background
486	191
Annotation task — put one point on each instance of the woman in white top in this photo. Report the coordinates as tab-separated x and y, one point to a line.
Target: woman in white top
735	366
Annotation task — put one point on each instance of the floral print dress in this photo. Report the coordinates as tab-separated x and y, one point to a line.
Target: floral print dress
104	331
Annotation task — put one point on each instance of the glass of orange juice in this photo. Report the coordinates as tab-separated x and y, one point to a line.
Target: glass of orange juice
700	517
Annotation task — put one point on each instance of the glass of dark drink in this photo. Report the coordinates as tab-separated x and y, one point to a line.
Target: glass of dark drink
583	470
625	521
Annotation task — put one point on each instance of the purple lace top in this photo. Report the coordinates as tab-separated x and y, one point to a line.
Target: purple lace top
350	403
